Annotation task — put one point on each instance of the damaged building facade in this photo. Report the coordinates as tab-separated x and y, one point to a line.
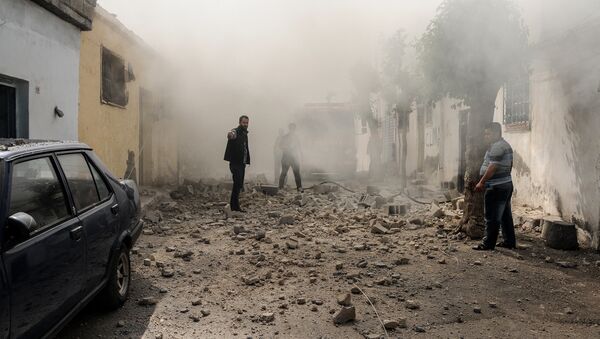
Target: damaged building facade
123	112
38	100
549	116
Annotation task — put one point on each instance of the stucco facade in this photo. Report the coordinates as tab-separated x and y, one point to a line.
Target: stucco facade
115	130
40	59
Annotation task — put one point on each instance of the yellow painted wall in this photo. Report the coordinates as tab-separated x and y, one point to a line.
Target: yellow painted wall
111	131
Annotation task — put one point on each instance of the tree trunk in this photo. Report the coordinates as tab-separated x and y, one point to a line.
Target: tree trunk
481	113
403	154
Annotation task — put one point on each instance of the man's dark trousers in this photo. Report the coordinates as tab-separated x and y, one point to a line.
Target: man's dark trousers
288	161
237	171
498	214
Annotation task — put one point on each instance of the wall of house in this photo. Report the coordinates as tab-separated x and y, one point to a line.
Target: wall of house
42	51
556	160
112	131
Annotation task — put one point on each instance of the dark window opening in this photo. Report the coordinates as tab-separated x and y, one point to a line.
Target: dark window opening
8	112
114	89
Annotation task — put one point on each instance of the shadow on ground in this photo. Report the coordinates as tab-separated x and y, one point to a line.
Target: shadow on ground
134	318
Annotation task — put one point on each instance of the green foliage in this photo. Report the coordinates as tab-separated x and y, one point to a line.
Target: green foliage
471	48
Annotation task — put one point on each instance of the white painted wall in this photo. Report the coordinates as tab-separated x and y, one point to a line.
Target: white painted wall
40	48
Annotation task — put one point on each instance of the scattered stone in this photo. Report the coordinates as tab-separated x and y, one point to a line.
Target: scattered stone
121	323
267	317
197	302
339	266
345	315
205	313
148	301
379	229
355	290
167	273
513	270
419	329
442	261
477	263
301	301
291	243
402	261
549	260
287	220
260	234
437	212
566	264
390	324
344	299
402	323
568	310
417	221
147	262
194	318
492	304
477	309
412	305
251	280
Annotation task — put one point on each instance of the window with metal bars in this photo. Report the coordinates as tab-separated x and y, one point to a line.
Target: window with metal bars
516	102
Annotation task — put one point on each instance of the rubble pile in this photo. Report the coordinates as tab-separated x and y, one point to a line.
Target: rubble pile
328	253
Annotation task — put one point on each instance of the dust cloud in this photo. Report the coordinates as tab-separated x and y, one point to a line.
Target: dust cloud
263	58
268	58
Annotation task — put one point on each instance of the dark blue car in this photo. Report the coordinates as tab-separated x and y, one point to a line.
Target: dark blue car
66	229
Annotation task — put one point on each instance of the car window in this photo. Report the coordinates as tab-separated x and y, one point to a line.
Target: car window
100	184
80	180
36	190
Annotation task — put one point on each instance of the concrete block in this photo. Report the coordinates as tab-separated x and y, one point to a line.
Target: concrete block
559	234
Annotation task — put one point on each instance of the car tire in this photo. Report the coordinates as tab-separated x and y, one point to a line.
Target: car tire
116	291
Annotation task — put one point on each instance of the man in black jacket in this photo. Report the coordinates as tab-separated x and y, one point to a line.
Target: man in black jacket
238	155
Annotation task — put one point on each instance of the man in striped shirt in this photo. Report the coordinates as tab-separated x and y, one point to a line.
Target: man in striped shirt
496	181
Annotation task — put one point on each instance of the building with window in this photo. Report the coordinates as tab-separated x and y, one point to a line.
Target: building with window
550	115
123	111
39	66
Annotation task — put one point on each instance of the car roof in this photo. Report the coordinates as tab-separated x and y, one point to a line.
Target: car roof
15	148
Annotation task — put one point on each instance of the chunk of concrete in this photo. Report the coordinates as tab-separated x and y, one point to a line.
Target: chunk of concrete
345	315
559	234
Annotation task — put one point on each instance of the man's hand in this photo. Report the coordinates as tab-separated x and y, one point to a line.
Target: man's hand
231	135
480	187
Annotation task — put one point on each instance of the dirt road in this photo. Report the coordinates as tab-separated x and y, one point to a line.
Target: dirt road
278	271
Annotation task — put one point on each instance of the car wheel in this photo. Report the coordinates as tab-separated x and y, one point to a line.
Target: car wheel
119	279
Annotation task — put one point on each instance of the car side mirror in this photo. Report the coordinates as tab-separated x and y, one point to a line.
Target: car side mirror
21	225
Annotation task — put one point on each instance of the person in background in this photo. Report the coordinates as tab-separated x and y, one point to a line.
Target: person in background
277	154
496	181
238	155
291	154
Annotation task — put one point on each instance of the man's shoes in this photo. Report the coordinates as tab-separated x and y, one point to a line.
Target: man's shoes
482	247
506	245
300	190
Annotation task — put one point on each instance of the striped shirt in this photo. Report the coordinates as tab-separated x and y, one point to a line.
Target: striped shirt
500	154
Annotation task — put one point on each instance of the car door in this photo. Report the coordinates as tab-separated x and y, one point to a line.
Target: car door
97	209
45	272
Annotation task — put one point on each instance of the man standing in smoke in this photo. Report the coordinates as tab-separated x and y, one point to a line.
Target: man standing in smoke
290	147
277	154
238	155
496	181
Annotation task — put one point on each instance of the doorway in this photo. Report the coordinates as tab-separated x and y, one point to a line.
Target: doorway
8	111
462	135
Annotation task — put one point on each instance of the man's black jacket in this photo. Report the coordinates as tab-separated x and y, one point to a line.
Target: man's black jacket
234	153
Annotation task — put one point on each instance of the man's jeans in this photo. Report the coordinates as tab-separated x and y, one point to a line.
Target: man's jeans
237	172
288	161
498	214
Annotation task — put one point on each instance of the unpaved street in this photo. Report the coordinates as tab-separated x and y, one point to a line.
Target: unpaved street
279	270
